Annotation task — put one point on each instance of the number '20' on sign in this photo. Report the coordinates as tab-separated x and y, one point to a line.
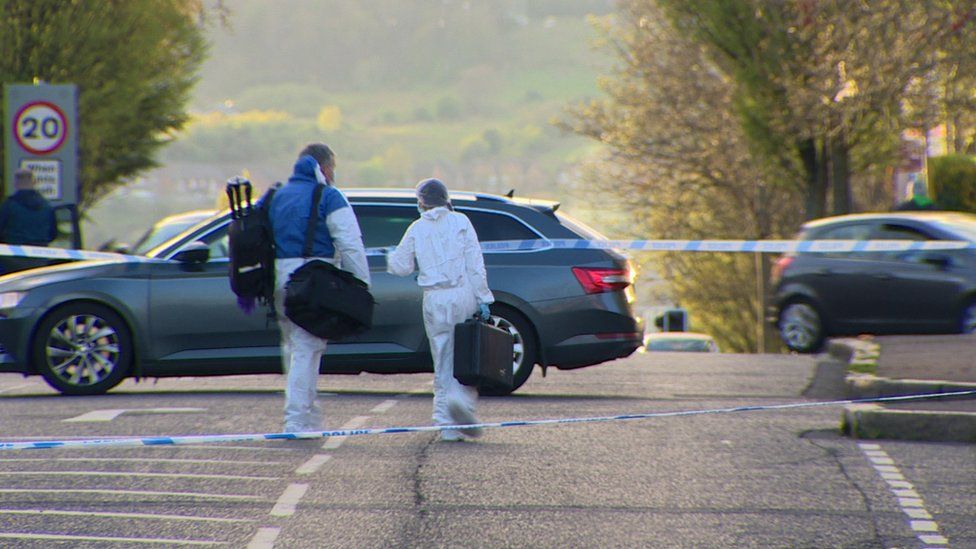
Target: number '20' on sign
40	127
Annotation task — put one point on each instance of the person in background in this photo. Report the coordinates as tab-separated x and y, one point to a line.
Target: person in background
445	248
337	231
918	198
26	217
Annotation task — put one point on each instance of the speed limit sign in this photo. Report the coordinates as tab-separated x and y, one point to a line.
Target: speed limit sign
40	127
40	133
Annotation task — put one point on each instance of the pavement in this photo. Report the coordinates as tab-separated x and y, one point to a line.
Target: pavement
903	365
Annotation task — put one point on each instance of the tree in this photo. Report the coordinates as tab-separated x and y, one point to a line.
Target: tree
134	63
823	88
680	163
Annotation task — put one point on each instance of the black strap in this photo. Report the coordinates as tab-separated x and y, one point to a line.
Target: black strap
313	218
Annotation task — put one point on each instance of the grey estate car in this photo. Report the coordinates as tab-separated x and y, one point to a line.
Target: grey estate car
85	326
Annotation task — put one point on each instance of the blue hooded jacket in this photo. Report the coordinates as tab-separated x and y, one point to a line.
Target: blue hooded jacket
26	218
290	207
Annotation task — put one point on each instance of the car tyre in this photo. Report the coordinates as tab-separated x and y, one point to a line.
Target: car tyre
967	321
801	327
526	349
82	349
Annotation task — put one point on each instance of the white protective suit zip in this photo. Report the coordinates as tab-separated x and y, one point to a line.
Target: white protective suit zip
444	247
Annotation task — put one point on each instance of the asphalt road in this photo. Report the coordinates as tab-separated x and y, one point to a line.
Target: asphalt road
769	478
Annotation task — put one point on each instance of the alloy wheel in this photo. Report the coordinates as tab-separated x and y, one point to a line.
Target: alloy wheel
518	356
82	349
800	327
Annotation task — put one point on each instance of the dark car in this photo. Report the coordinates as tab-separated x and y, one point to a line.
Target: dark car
85	326
819	295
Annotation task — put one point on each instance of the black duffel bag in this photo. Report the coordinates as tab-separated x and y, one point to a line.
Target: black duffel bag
322	298
327	301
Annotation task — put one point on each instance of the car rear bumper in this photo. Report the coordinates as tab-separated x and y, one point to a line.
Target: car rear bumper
590	349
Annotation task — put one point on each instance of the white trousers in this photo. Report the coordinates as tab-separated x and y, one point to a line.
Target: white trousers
301	355
442	310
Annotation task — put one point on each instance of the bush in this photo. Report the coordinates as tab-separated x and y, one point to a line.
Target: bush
952	181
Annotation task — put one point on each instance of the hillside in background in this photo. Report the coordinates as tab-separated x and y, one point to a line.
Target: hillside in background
460	89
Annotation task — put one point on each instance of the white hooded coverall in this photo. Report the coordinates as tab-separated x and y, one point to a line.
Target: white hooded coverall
452	275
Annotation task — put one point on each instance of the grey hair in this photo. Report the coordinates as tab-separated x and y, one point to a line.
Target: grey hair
320	152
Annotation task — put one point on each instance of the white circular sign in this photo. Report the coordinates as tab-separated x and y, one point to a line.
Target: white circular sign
40	127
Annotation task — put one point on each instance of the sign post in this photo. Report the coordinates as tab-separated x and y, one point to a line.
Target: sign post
41	134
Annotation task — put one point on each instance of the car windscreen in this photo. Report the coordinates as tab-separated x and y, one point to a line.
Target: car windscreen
963	226
160	234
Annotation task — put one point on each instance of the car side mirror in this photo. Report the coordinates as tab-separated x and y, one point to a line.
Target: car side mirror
195	252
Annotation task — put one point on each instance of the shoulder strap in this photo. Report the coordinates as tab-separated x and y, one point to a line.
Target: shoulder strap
313	217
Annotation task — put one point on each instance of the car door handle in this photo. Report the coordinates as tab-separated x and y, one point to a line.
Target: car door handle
823	272
882	276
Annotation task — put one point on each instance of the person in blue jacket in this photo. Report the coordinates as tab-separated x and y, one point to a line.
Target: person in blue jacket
338	240
27	218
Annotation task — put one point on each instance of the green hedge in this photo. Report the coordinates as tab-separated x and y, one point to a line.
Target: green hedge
952	182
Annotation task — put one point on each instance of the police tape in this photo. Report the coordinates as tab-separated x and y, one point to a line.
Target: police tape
733	246
211	439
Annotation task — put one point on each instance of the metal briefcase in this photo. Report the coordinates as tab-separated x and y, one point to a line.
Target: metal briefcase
482	354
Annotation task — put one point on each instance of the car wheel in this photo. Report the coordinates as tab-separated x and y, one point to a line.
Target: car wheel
801	327
82	349
525	349
967	324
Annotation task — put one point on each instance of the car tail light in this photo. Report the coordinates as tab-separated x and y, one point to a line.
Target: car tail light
599	280
780	267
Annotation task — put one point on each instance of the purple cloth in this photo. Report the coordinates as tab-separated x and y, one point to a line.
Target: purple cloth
247	304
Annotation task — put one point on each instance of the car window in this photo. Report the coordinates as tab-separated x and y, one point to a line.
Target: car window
498	226
216	240
854	231
384	225
894	231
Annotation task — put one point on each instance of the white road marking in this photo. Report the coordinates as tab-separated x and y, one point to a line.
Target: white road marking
130	474
28	535
15	387
917	513
115	515
332	443
264	539
313	464
383	406
924	525
97	415
109	415
286	504
126	493
920	520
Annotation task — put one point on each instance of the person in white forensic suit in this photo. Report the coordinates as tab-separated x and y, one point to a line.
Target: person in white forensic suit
337	240
445	248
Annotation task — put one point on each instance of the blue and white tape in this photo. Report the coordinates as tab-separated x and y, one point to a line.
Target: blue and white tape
734	246
210	439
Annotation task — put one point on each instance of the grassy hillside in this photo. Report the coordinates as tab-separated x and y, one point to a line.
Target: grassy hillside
402	89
